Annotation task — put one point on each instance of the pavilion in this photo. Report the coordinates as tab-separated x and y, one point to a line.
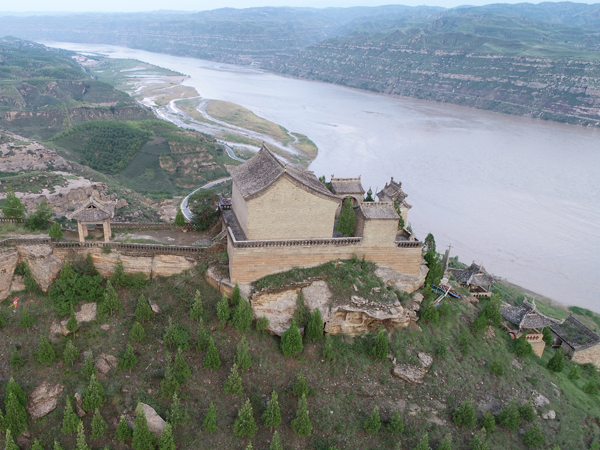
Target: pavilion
93	212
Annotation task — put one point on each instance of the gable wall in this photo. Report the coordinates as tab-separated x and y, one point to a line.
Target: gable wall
285	211
240	208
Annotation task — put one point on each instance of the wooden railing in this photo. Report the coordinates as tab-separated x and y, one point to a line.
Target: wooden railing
143	226
7	219
293	242
153	248
409	244
10	242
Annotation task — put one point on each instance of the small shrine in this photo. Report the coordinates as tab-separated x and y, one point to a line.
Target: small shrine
476	279
93	212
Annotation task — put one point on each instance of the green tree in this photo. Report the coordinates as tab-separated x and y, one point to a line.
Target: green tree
574	373
380	349
430	314
211	360
509	417
242	357
223	311
301	386
465	416
369	197
479	442
176	336
276	442
446	443
179	219
236	295
143	439
169	384
40	218
177	414
492	311
591	388
124	431
166	441
423	443
137	332
94	395
291	341
527	412
242	316
233	385
479	325
197	309
301	424
396	424
434	262
13	208
14	388
99	426
203	205
55	232
556	363
27	320
143	312
328	348
244	425
16	360
36	445
88	368
373	423
15	418
9	442
497	367
117	278
181	369
533	437
210	420
521	346
488	422
45	352
128	360
301	313
111	303
203	339
57	446
70	421
272	415
346	221
314	329
429	243
262	324
72	324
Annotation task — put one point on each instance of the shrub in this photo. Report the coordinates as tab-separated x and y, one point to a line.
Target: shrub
533	437
346	221
94	395
430	314
244	425
547	336
527	412
328	349
70	354
464	341
492	311
301	386
88	368
143	439
210	420
177	414
272	415
509	417
36	445
55	231
181	369
136	280
169	385
99	425
396	424
128	360
465	416
556	363
15	419
211	360
479	325
143	311
380	349
242	357
497	367
291	340
591	388
15	359
223	311
373	423
124	431
26	320
203	339
521	347
106	250
314	329
488	422
166	441
242	316
446	443
301	313
197	309
137	332
262	324
301	424
176	336
233	385
574	373
423	443
45	352
70	420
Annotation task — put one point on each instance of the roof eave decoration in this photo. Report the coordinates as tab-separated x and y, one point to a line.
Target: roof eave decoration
93	210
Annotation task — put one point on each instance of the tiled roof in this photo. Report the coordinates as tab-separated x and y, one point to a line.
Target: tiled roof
264	169
343	186
93	210
474	275
526	315
392	191
378	210
576	334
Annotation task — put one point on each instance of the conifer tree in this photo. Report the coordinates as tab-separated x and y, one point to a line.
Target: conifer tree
72	324
10	442
45	352
15	388
396	424
242	316
81	443
143	439
236	296
57	446
88	368
242	358
179	219
177	414
15	418
166	441
143	311
181	369
347	219
373	423
16	360
314	329
13	208
211	360
479	442
262	324
291	340
111	303
369	197
36	445
169	385
137	332
328	349
380	349
2	425
556	363
533	438
233	385
70	420
423	443
94	395
301	314
574	373
128	360
197	309
117	279
272	415
210	420
71	353
203	338
244	425
124	431
99	425
55	231
465	416
276	442
547	337
223	311
509	417
492	311
446	443
301	386
488	422
301	424
527	412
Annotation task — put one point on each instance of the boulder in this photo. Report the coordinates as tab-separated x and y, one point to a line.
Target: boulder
43	399
79	405
105	363
9	259
402	282
87	313
18	283
413	374
539	400
550	415
44	266
167	265
155	308
278	307
156	424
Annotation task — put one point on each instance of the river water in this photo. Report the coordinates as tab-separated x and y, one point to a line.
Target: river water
521	196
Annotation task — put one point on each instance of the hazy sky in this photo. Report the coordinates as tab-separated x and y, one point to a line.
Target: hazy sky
199	5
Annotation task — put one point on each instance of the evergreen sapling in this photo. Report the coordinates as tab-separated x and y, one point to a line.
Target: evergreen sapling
465	416
301	386
177	414
143	439
137	332
203	339
396	424
242	358
233	385
36	445
527	412
169	384
128	360
72	325
9	442
211	360
242	316
99	425
373	423
423	443
291	341
143	311
94	395
223	311
210	420
16	360
380	349
15	419
124	431
81	443
88	368
301	424
70	354
328	349
314	329
488	422
70	421
14	388
446	443
166	441
272	415
197	309
45	352
244	425
509	417
236	296
556	363
276	442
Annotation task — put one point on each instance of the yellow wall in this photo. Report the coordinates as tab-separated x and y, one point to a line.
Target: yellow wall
380	232
240	208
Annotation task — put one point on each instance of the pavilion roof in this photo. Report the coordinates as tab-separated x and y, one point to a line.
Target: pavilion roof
93	210
576	334
473	275
346	186
392	191
526	315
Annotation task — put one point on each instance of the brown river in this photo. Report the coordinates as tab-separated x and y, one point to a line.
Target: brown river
521	196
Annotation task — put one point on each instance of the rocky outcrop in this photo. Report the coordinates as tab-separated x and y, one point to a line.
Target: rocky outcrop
9	259
20	154
402	282
156	424
413	374
105	263
167	265
352	317
43	399
87	313
223	284
105	363
44	266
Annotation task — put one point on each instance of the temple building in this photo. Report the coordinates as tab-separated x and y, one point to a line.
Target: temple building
392	192
93	212
578	342
282	217
475	279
